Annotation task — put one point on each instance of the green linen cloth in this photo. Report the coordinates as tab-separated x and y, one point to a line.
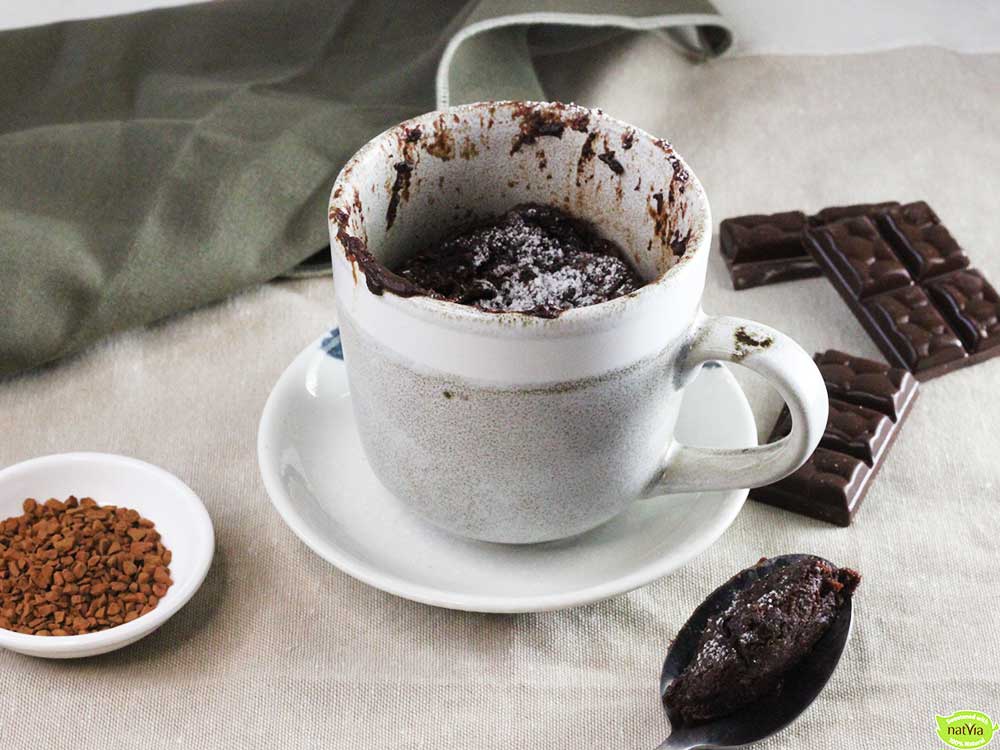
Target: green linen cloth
159	161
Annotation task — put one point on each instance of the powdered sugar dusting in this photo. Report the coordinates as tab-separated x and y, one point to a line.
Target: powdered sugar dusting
534	259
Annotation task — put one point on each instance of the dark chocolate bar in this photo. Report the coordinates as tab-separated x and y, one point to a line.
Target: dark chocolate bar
868	403
905	278
764	249
761	249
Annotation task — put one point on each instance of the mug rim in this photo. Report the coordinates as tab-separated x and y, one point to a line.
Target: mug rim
426	306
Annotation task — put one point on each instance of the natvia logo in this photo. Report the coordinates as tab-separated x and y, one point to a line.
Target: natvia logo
966	729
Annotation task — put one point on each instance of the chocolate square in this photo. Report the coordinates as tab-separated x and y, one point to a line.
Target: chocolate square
917	213
971	306
911	332
862	259
926	247
866	382
855	430
829	486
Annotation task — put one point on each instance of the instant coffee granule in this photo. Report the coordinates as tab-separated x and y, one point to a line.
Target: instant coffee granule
74	567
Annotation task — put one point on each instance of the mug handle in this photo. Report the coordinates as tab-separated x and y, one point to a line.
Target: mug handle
788	368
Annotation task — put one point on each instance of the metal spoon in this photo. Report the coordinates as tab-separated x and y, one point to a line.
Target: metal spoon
770	714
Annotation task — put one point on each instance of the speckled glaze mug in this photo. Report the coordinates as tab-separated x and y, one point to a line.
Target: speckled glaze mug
506	427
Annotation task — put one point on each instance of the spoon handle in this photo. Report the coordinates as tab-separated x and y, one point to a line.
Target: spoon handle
679	741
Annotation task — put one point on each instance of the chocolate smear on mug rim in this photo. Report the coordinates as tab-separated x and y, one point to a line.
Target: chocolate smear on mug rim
400	189
537	120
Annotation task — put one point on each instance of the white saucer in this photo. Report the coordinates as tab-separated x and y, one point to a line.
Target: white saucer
319	480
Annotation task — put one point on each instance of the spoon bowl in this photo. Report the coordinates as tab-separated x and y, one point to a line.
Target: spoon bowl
772	713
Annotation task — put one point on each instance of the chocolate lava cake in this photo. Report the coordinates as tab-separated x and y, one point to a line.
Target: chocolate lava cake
534	259
766	630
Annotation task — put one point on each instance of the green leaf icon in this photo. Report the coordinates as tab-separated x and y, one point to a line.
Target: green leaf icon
966	730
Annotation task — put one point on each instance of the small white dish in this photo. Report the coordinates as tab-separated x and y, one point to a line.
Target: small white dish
179	515
318	478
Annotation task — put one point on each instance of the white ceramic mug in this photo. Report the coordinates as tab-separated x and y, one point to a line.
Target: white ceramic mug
511	428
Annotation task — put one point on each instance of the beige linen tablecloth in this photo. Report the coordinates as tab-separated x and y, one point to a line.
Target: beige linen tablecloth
280	650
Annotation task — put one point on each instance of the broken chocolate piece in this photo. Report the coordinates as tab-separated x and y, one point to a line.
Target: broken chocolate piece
759	237
868	402
761	249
